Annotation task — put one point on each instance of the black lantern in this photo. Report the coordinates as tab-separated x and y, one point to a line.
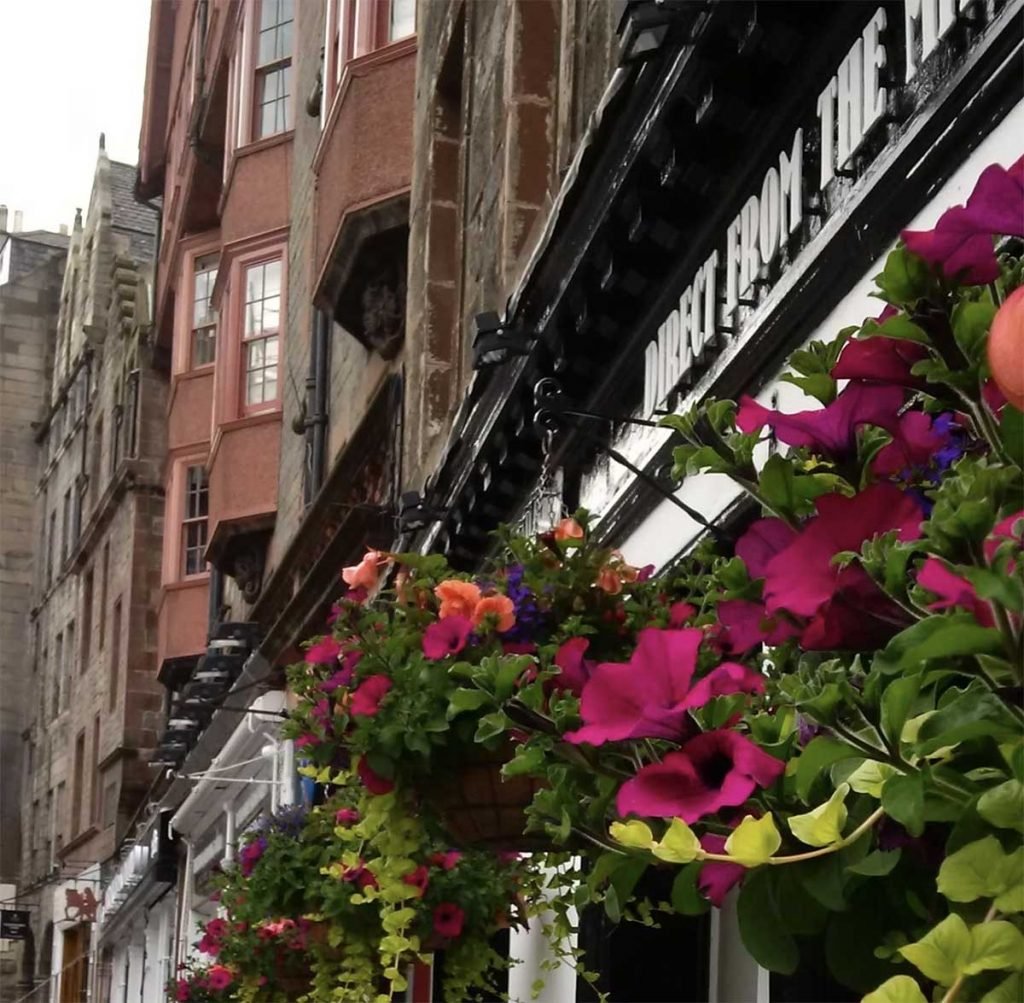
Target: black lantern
644	24
494	343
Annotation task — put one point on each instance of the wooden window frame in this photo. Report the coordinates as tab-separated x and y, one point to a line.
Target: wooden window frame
210	323
200	521
246	341
259	72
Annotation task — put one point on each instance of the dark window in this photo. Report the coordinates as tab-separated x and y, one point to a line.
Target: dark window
77	781
104	575
86	619
115	652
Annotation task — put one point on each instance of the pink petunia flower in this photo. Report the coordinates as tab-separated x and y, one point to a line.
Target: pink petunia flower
367	696
448	920
651	695
419	878
305	740
714	770
679	613
346	816
219	977
951	591
373	781
961	244
761	542
574	669
881	360
447	860
745	625
717	878
217	928
324	652
831	430
916	444
364	574
446	637
182	991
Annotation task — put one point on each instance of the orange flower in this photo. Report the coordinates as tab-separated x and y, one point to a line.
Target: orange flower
568	529
364	574
500	606
610	580
457	598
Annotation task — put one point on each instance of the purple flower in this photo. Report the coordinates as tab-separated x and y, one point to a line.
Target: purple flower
249	855
920	448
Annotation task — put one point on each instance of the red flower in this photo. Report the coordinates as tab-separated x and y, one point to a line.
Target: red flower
446	637
418	878
447	860
217	928
714	770
324	652
448	920
716	877
219	977
881	360
367	697
346	816
961	244
360	876
651	695
831	430
373	781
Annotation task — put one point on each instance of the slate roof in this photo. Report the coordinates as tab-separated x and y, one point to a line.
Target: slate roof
130	216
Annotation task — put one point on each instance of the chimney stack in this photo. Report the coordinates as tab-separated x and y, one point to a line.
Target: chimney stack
3	219
63	228
17	221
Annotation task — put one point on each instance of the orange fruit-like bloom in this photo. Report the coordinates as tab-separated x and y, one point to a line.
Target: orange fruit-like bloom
1006	348
457	598
610	580
500	606
568	529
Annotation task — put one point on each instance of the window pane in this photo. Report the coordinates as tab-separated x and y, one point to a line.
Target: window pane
270	352
272	313
254	283
403	19
272	278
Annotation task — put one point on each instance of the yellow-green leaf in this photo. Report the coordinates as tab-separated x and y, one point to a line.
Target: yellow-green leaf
679	845
823	825
975	871
1003	806
943	952
870	777
754	840
995	945
1012	900
898	989
634	833
1010	990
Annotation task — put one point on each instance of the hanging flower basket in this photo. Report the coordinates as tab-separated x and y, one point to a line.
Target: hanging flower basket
480	807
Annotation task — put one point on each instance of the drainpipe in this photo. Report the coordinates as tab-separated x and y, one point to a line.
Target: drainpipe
215	601
318	403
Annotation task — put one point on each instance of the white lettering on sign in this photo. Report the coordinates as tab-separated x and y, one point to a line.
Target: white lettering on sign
852	104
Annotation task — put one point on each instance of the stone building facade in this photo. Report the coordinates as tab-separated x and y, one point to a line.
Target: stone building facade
31	270
95	707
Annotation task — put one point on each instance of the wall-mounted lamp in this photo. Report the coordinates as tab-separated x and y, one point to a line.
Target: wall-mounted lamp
644	24
495	343
415	514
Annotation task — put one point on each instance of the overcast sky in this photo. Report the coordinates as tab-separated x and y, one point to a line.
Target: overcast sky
69	70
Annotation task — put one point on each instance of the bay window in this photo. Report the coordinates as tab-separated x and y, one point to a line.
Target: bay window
194	522
272	105
261	333
204	318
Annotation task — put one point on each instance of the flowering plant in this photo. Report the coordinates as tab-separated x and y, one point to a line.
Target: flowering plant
199	983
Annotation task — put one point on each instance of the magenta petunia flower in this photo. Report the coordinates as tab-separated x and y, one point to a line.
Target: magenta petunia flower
881	360
761	542
346	816
651	695
518	648
714	770
419	878
249	855
1010	528
679	613
324	652
830	430
717	878
952	591
448	920
801	578
574	669
916	443
217	929
367	696
446	637
961	244
305	740
372	780
219	977
447	860
746	624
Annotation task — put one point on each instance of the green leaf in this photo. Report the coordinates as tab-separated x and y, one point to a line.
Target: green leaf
818	755
994	945
464	700
903	800
490	726
902	327
1011	431
975	871
904	279
509	671
937	637
824	879
871	777
686	897
897	701
876	864
1010	990
763	926
898	989
611	905
975	712
1003	806
679	844
635	834
971	320
1012	900
754	840
943	952
776	483
822	825
820	386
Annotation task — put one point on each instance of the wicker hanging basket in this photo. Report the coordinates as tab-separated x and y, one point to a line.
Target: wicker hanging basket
480	807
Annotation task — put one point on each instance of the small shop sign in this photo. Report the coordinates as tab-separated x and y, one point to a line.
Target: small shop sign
14	924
